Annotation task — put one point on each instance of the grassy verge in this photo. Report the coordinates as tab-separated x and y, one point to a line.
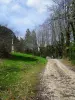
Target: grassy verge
18	76
68	63
73	62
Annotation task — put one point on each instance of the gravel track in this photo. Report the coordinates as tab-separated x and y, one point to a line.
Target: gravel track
57	82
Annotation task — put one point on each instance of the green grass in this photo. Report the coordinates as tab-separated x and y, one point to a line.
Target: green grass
19	76
73	62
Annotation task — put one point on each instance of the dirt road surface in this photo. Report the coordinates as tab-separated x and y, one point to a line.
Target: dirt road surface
57	82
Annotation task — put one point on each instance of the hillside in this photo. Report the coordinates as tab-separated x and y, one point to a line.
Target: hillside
18	76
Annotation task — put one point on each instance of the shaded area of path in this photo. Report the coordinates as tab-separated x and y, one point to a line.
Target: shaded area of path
57	82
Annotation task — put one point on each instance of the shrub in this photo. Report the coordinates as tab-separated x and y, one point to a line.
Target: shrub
3	51
72	51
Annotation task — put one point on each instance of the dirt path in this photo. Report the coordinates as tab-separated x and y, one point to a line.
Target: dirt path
57	82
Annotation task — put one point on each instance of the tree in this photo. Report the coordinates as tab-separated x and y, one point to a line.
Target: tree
61	26
6	36
34	42
21	45
5	41
28	41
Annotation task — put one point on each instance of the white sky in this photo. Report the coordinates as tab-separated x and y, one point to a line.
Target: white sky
22	14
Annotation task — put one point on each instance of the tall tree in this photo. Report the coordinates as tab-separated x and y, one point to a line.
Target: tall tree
34	41
28	40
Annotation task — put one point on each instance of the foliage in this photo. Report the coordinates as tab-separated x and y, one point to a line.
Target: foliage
58	30
31	42
6	36
34	42
28	45
5	41
3	51
72	51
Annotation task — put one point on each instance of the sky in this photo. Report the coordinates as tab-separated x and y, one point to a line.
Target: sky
20	15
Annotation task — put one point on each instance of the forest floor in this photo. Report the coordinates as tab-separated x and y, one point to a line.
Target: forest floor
57	82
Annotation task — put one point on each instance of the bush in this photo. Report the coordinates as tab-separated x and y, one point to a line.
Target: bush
3	51
72	51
